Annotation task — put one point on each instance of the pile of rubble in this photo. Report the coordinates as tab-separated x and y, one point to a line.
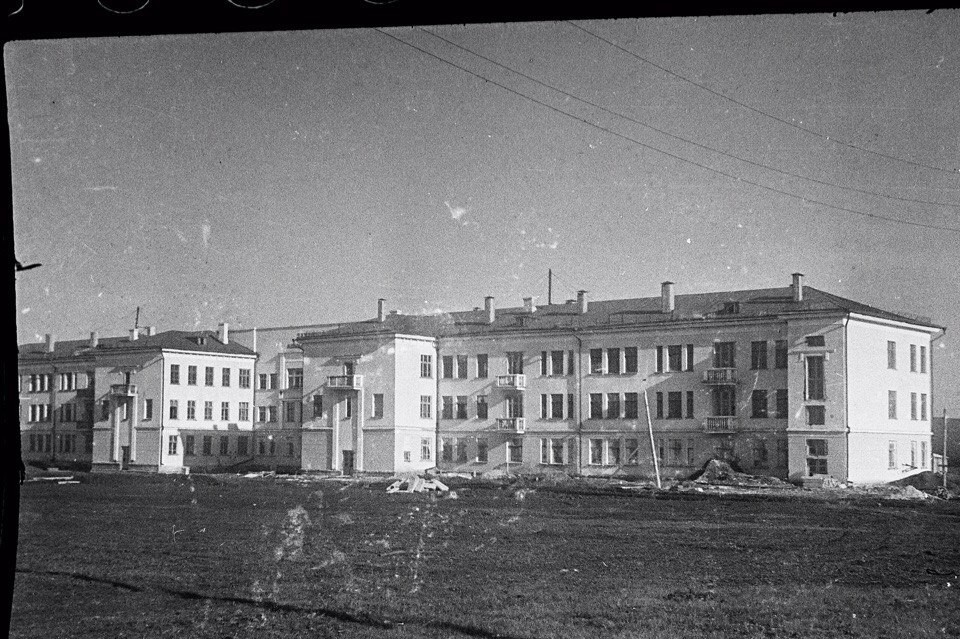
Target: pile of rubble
717	472
416	484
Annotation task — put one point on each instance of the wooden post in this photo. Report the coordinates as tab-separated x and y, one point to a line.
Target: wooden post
653	448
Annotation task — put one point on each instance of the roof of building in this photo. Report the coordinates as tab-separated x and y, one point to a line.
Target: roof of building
748	304
197	341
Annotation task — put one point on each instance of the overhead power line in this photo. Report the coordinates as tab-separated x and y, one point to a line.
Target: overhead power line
687	140
822	136
622	136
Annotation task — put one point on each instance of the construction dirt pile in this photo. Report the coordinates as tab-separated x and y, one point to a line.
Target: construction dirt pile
717	472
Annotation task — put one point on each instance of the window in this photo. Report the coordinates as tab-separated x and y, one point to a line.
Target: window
174	373
482	366
892	404
571	362
596	452
446	409
262	447
783	403
892	455
188	445
290	411
913	358
514	406
461	451
273	380
377	405
225	410
675	452
923	406
447	363
758	355
613	361
191	409
69	412
481	449
816	457
633	452
761	457
294	378
596	405
816	340
556	406
208	411
224	445
570	405
613	405
596	361
923	454
124	411
675	357
690	452
318	405
244	380
515	450
207	445
462	366
172	445
913	406
759	401
891	355
426	403
244	412
724	354
243	444
262	377
556	363
225	377
348	408
551	451
630	359
208	376
780	353
425	453
272	414
426	366
659	359
481	407
659	405
816	415
544	364
544	406
815	377
104	410
461	406
913	454
191	375
689	404
446	449
261	413
173	409
147	409
631	408
674	405
406	455
613	452
923	359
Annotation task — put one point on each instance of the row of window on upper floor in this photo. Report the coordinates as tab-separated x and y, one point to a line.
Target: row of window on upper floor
243	376
918	357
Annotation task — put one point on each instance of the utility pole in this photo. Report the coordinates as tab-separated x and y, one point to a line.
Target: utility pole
549	286
653	448
943	462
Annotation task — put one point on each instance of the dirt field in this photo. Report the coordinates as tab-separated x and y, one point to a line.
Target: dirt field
201	556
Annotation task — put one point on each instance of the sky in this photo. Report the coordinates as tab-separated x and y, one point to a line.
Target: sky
290	178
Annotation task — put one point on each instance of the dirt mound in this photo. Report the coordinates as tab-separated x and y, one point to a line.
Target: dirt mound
717	472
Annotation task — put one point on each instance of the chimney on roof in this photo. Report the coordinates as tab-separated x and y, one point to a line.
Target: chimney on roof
529	305
49	342
94	339
134	334
151	331
224	333
380	303
666	297
490	310
582	301
797	287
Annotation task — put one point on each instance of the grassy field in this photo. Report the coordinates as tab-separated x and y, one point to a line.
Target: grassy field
202	556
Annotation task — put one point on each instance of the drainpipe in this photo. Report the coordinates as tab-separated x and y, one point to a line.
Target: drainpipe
160	414
943	462
436	405
53	414
579	404
846	401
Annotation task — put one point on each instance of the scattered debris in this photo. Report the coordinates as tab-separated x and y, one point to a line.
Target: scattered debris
416	484
717	472
262	473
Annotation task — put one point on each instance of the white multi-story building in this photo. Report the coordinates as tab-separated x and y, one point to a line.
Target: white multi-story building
791	381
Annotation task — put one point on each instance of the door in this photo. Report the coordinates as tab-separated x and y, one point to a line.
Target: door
348	462
124	457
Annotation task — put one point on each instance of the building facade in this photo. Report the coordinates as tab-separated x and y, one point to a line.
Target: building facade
151	401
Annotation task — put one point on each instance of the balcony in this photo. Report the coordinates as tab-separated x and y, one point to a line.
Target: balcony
126	390
511	424
345	382
720	425
720	376
517	382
